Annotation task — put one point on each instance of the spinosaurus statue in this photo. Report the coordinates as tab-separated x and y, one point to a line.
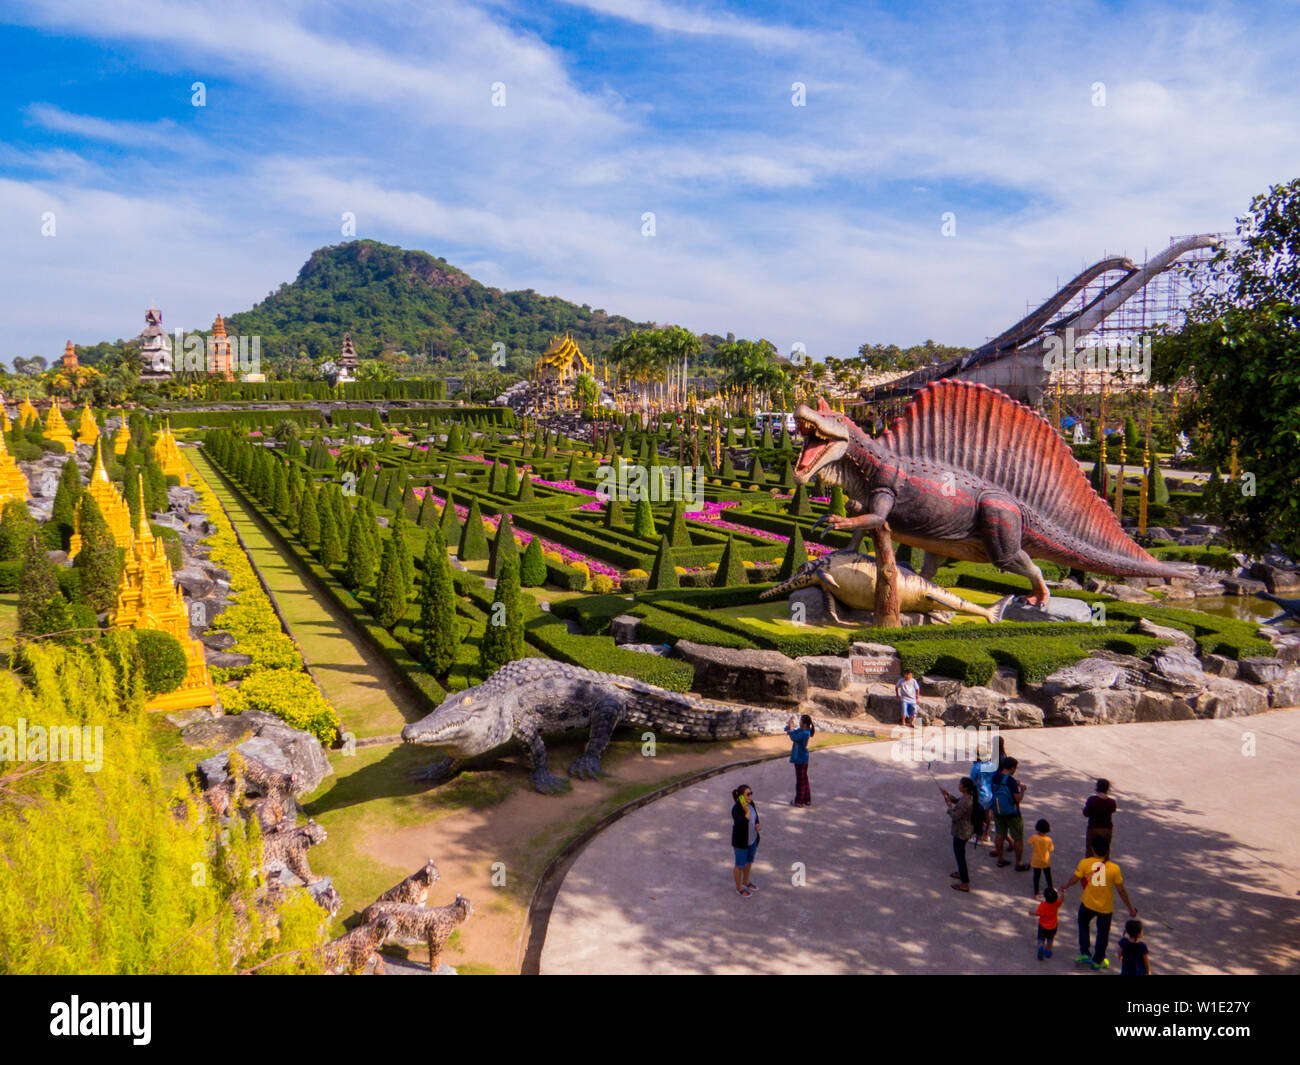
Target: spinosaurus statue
849	577
530	697
966	472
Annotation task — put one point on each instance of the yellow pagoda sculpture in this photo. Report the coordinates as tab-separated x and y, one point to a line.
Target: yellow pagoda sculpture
563	360
13	485
123	438
168	454
88	430
111	505
149	598
27	413
57	429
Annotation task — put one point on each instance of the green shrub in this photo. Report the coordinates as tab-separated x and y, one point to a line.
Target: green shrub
532	568
291	696
163	659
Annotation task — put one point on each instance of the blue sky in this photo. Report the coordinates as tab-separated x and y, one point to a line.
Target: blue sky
818	224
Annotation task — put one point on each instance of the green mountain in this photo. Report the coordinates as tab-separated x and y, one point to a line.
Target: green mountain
390	298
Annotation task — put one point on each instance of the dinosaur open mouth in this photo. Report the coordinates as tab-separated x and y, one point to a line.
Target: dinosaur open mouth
814	447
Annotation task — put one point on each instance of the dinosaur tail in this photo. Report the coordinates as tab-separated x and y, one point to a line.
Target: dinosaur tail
1000	607
799	580
1114	564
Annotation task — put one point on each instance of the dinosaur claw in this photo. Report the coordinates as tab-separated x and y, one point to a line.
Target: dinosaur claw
820	523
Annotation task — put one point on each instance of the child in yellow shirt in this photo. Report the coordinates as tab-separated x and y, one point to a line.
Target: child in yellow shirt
1041	860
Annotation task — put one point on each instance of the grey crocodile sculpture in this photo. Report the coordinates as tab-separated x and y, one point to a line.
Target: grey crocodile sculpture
850	578
532	697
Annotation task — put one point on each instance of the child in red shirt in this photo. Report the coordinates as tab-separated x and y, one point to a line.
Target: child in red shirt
1047	913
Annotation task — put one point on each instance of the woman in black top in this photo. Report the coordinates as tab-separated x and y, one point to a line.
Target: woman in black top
744	837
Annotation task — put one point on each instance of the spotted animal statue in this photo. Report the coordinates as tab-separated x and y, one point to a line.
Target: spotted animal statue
413	891
289	845
968	473
357	952
532	697
431	926
849	578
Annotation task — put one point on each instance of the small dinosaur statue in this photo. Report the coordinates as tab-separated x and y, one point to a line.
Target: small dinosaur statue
966	472
530	697
850	578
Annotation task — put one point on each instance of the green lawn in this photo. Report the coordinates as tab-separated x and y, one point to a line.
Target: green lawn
355	680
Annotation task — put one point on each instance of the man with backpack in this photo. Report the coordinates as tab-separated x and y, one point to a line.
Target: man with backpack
1007	793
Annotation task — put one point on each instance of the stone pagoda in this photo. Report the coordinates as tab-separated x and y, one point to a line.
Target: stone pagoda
149	598
57	429
69	360
168	455
111	504
219	359
13	485
88	430
156	363
347	364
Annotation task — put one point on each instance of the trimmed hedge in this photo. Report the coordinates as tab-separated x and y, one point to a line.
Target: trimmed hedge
551	635
388	647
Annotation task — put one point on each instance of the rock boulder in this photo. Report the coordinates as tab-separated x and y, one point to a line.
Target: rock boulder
738	675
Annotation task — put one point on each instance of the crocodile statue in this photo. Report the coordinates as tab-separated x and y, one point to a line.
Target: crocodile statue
850	578
967	472
530	697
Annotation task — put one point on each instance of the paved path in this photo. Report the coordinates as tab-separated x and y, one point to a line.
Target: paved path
354	679
1206	838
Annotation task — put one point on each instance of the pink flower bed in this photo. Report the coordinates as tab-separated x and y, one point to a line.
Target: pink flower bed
711	515
524	538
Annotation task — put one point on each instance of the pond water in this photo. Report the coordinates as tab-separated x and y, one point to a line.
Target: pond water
1242	607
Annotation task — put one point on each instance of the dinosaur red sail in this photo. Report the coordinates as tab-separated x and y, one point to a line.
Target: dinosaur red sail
1006	444
967	472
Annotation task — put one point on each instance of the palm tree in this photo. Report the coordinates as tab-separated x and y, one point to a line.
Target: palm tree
355	459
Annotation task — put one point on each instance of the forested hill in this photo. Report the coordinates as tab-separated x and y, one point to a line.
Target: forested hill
389	297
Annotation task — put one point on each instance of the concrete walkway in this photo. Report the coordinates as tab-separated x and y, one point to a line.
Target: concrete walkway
1206	838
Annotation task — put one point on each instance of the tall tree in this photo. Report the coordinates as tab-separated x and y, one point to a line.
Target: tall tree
439	628
1236	362
390	592
402	546
99	560
41	606
360	568
63	517
503	636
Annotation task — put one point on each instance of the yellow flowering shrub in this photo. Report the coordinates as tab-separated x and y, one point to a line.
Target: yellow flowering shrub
291	696
602	584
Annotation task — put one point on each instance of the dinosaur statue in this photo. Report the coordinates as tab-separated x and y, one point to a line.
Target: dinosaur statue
531	696
966	472
850	578
1290	607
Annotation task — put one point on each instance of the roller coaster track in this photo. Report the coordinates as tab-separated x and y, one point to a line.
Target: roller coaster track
1013	359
